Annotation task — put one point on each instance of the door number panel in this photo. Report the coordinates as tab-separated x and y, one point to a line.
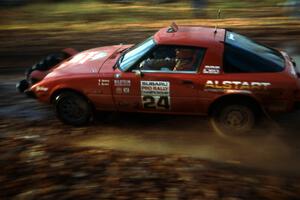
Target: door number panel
155	95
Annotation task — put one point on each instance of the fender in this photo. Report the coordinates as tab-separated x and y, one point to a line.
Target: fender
236	95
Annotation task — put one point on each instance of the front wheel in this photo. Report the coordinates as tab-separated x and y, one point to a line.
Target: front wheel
233	119
73	109
22	86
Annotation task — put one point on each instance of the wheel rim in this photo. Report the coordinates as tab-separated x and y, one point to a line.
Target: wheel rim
235	119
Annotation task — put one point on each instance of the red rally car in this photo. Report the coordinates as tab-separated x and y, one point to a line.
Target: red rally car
179	70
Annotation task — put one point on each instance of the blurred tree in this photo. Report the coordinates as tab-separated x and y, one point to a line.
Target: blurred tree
147	1
198	7
12	2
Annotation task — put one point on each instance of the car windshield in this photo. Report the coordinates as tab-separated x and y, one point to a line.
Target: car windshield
132	55
269	56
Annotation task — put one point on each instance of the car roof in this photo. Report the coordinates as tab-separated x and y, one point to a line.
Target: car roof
190	36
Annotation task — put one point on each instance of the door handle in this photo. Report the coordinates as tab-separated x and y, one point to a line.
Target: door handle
188	82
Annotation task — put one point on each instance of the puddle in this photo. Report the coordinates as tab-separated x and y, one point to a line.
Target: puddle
16	105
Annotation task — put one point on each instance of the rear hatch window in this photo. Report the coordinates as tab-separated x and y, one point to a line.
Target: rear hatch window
244	55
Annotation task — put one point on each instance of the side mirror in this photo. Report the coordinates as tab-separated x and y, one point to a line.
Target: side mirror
139	73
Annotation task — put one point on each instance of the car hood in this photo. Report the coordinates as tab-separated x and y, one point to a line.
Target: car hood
87	62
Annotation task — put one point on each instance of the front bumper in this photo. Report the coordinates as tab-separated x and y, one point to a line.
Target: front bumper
24	87
30	94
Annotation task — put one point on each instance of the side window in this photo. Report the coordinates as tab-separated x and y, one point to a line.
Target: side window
173	58
238	60
235	60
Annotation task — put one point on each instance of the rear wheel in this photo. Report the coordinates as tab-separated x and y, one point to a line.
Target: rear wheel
233	119
73	109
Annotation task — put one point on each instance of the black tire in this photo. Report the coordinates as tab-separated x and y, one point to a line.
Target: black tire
73	109
233	119
22	86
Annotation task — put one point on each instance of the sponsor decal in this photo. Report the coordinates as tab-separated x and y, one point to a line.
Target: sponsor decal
231	36
161	88
126	83
126	90
103	82
41	88
99	55
122	90
211	69
236	85
119	90
84	57
155	94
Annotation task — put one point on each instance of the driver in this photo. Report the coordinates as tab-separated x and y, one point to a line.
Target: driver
184	59
182	62
158	64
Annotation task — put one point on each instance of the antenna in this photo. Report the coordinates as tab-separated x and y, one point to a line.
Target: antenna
219	17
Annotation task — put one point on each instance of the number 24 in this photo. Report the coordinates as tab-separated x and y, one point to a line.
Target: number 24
157	102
